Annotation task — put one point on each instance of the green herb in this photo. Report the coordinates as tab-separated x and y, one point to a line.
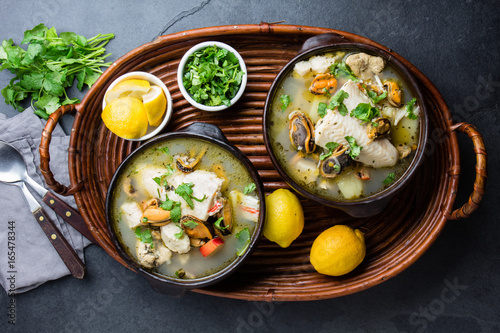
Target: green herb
165	150
390	178
354	150
218	226
373	95
365	112
285	101
336	167
49	65
331	147
133	171
185	191
175	212
243	240
144	219
327	92
190	224
342	69
409	109
180	273
144	236
337	102
249	188
212	76
322	109
179	234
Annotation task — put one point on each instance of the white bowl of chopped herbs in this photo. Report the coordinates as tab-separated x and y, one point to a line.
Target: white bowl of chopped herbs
212	76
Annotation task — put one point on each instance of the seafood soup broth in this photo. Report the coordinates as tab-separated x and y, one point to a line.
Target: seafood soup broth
134	187
303	167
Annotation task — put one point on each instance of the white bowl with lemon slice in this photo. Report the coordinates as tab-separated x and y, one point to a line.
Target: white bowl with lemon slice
136	106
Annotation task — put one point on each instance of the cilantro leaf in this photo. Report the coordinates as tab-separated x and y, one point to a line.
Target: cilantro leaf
354	150
190	224
322	109
285	101
175	212
144	235
365	112
374	97
337	102
165	150
409	109
185	191
390	178
179	234
331	146
243	240
249	188
342	69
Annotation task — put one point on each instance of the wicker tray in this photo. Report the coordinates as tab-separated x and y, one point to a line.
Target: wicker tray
395	238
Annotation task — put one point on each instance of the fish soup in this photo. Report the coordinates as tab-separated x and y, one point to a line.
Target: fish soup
185	208
344	126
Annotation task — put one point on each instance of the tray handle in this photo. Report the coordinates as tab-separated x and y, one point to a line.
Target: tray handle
45	155
481	156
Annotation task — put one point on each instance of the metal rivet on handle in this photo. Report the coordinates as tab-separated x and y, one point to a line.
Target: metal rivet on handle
41	218
51	201
68	214
53	236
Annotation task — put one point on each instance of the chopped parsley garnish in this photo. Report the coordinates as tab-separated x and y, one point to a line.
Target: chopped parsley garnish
354	150
337	102
249	188
162	180
190	224
409	109
218	226
174	207
165	150
390	178
212	76
322	109
373	95
179	234
365	112
185	191
144	236
342	69
243	240
331	146
285	101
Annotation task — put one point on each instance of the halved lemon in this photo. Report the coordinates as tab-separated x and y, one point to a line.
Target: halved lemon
155	104
131	88
126	117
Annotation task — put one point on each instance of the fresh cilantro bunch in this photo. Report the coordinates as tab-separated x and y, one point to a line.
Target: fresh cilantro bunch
212	76
49	65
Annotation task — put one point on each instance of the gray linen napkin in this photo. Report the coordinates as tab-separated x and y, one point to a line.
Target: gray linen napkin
35	259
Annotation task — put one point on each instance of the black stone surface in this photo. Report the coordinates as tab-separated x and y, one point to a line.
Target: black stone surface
454	287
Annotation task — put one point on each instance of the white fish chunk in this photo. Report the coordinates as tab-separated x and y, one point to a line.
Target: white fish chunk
151	257
148	173
334	128
364	65
174	244
321	64
302	67
163	254
131	213
206	184
247	207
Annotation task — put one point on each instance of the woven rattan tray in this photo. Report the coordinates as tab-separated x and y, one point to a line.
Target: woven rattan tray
395	238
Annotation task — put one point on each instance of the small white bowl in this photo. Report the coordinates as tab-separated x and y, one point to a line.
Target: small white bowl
180	74
152	131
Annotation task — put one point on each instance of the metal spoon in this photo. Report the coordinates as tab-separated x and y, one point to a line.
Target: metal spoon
13	172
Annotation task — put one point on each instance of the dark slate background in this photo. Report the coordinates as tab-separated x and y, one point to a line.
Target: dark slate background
454	43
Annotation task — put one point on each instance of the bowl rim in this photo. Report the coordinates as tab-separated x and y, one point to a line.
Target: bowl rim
152	131
166	281
180	74
411	82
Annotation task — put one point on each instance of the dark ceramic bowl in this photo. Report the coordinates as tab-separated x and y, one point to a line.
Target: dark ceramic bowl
162	283
373	204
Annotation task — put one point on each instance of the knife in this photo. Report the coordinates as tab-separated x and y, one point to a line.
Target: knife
66	252
62	209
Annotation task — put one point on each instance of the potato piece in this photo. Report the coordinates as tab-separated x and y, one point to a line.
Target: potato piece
350	186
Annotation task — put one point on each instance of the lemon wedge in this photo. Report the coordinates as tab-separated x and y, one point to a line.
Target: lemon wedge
131	88
155	104
126	117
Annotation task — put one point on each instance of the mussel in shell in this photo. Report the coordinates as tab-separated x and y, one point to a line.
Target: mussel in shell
378	128
322	84
187	164
334	164
394	93
301	132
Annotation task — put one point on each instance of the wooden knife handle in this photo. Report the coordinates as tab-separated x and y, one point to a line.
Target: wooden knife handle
66	252
69	214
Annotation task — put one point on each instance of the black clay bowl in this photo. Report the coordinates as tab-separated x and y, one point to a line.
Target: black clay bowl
159	282
374	204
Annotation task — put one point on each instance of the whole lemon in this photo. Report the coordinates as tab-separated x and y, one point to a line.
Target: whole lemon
338	250
284	217
126	117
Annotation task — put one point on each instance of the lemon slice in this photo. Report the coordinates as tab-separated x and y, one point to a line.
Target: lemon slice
155	104
126	117
131	88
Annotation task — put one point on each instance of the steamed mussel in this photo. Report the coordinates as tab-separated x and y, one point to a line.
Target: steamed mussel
334	164
378	128
301	132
